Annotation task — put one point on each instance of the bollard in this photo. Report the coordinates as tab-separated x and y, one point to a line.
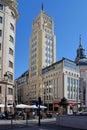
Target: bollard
26	120
39	116
11	123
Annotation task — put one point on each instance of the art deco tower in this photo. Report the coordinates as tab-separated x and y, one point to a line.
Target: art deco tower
42	44
8	17
42	52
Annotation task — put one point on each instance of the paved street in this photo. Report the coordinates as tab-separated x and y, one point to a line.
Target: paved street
46	124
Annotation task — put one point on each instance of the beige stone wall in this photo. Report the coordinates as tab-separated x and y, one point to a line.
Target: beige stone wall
8	19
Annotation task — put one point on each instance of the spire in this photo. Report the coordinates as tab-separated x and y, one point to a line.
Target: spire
42	7
80	41
80	52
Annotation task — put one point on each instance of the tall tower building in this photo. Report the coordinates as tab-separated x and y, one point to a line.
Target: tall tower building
42	52
42	43
8	17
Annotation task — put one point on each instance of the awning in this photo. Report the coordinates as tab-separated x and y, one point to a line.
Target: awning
72	104
2	105
23	106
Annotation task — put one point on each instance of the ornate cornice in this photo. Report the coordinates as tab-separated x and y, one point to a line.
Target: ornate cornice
12	5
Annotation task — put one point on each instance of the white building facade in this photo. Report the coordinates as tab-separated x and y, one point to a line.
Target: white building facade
8	18
61	79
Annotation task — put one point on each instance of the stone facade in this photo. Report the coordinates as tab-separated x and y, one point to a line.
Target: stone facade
42	52
21	89
81	61
58	80
8	17
61	79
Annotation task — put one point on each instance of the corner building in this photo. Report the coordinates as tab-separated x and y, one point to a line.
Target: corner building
8	17
61	79
42	50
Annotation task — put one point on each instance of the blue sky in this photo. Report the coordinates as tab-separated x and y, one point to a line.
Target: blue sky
70	21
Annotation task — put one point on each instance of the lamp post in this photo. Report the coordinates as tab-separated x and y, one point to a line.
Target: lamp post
39	103
5	79
16	94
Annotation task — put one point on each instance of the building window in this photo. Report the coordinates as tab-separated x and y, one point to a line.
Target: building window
68	95
10	64
0	33
10	102
12	14
0	90
0	19
10	91
11	27
11	39
68	88
71	88
10	51
50	90
0	46
1	7
0	60
10	77
71	96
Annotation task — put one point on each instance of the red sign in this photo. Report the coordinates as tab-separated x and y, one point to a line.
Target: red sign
55	104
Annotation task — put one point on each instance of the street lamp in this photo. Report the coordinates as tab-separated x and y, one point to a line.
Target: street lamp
39	103
16	95
5	79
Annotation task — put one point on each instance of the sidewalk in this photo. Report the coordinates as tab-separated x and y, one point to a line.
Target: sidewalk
46	124
12	124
